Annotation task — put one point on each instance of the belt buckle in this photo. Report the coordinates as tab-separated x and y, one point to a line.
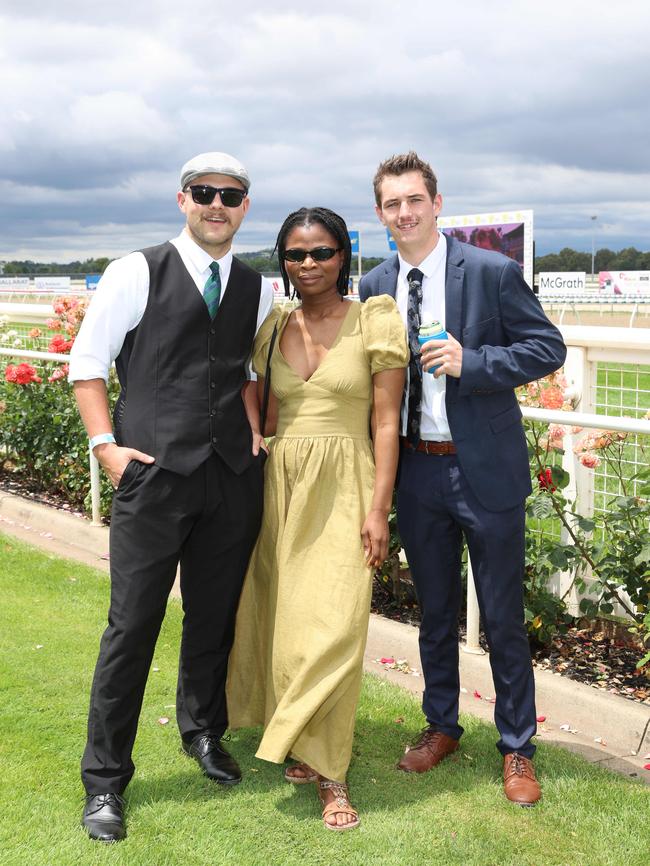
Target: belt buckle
437	449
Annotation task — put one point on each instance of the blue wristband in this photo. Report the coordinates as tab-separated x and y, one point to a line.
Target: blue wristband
100	439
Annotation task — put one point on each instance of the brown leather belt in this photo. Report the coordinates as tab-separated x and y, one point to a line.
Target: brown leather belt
426	447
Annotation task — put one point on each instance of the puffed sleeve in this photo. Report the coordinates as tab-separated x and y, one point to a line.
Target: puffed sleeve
384	334
262	340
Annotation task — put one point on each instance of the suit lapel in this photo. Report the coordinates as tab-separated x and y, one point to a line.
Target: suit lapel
454	289
387	284
454	300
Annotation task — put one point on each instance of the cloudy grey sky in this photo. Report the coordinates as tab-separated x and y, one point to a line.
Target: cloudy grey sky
515	104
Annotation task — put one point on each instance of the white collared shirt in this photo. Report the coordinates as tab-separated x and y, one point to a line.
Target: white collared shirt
433	424
120	300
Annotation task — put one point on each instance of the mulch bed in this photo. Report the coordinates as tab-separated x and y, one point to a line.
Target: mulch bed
589	656
12	482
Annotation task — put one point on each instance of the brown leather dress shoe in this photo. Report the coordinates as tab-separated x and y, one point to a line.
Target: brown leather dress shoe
429	749
519	781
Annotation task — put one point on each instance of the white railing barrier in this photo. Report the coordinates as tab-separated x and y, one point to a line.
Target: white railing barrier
548	416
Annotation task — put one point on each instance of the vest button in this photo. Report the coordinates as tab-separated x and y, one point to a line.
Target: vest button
213	411
215	439
212	385
213	357
212	331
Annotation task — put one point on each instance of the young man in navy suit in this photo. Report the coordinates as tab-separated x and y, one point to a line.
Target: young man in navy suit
464	462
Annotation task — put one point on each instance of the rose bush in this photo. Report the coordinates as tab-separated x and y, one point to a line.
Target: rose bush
42	435
607	554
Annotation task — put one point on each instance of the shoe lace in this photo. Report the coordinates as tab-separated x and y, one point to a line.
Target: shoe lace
426	741
109	799
519	766
211	742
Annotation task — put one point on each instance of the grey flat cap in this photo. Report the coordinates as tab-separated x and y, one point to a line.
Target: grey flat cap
214	163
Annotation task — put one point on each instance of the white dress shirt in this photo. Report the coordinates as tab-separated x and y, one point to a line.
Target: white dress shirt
433	424
120	300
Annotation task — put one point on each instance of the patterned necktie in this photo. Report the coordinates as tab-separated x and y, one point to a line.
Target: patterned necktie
413	313
212	290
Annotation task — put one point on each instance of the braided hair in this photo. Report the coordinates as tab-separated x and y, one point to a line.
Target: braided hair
334	224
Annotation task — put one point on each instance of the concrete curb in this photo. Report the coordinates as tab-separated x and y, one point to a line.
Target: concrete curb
605	729
53	530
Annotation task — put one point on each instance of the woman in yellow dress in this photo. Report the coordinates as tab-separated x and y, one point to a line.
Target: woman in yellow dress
337	373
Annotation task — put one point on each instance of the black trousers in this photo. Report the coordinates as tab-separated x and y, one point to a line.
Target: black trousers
208	521
435	508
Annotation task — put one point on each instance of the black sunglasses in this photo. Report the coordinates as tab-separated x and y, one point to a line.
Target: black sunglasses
230	196
318	254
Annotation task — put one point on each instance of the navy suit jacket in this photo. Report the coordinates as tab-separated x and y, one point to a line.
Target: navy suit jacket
507	341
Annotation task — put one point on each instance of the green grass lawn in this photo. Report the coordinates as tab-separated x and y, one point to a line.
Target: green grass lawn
623	388
51	616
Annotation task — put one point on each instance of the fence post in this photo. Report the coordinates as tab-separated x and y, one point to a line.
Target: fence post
95	491
472	644
578	371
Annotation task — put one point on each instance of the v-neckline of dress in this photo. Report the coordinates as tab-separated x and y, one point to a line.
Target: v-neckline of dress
334	345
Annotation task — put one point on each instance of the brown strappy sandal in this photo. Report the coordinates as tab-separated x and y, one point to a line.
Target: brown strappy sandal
307	778
340	804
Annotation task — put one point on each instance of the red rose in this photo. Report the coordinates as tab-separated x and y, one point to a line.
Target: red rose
59	345
545	478
23	374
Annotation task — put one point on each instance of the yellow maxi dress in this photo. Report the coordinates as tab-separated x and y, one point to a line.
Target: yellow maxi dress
303	616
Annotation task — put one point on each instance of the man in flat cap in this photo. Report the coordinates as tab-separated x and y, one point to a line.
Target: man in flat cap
179	321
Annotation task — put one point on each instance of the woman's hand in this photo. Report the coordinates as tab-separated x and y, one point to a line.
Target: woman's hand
374	537
259	442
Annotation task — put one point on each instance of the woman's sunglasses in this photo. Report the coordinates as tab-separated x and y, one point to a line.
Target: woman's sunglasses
318	254
230	196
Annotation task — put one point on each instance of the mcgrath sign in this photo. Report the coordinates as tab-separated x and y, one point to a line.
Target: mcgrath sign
562	283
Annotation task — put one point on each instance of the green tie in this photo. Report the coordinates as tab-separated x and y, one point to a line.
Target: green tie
212	290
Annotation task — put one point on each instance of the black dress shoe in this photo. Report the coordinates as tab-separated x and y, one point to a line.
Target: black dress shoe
213	759
103	817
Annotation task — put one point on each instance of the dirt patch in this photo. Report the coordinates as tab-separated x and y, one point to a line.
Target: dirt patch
593	657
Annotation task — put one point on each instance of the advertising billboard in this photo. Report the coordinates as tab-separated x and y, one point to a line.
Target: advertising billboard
10	282
507	232
56	284
624	282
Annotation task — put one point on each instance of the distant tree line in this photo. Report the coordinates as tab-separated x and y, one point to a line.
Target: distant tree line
89	266
266	262
629	259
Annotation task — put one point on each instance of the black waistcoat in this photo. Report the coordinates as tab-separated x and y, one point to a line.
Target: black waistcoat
181	373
